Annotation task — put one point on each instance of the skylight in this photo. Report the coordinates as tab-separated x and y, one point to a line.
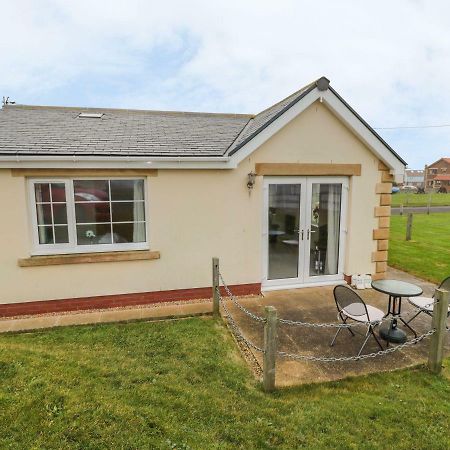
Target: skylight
90	115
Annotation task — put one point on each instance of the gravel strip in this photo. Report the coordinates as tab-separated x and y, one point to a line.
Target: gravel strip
117	308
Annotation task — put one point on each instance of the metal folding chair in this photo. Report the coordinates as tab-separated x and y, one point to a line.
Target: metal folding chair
351	306
426	304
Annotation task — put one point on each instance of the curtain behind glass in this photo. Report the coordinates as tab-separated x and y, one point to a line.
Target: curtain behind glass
333	210
138	213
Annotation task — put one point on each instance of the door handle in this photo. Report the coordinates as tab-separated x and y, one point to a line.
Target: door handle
300	232
307	235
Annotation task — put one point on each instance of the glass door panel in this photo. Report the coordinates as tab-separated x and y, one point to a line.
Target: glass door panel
325	226
283	231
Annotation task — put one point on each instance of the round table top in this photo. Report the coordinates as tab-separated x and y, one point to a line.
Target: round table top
397	288
276	232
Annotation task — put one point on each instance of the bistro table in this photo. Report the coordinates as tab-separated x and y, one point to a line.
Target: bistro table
273	235
396	290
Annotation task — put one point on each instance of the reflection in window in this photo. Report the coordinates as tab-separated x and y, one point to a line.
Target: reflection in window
284	214
51	212
325	227
109	211
88	212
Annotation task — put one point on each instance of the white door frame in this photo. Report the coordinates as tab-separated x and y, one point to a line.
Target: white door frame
303	279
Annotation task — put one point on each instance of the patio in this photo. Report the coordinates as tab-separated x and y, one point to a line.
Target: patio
317	305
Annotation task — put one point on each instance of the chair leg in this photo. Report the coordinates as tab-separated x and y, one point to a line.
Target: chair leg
406	325
415	315
375	336
335	336
349	329
370	331
339	329
365	341
344	319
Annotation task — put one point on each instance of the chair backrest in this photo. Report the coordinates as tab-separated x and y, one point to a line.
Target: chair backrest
349	300
445	284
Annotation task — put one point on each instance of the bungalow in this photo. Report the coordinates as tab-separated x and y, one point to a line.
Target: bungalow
109	207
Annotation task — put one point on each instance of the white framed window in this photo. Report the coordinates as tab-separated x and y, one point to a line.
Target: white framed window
80	215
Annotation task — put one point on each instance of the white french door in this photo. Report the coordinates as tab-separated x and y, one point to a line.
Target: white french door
304	230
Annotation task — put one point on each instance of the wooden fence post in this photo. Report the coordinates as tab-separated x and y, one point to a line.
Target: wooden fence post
429	204
440	312
270	349
401	209
409	226
215	287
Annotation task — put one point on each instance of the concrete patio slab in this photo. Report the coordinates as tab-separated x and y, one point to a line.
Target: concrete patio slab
317	305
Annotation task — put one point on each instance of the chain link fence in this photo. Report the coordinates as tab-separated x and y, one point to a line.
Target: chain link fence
235	328
356	358
271	322
310	358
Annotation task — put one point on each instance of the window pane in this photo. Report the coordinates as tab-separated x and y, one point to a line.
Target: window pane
325	228
44	214
129	232
42	192
45	235
127	211
95	212
46	217
61	234
58	192
94	234
283	236
59	213
91	190
127	189
92	212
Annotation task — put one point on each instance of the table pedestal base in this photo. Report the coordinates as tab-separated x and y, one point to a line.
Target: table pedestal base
391	333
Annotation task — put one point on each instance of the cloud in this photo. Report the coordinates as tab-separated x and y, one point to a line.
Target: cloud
390	60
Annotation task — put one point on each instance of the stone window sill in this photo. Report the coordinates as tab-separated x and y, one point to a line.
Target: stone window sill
85	258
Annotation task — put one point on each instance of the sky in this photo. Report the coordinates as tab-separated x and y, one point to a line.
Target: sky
389	59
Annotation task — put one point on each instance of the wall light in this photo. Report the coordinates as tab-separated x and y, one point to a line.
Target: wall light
251	180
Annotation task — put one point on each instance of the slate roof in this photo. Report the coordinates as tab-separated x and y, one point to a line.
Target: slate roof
41	130
58	131
266	117
28	130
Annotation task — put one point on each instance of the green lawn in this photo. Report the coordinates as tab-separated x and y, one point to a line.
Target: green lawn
182	384
412	199
427	255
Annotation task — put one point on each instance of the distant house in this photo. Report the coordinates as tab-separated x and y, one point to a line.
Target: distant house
109	207
414	177
437	175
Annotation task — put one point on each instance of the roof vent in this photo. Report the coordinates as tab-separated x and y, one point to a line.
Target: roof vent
84	115
322	83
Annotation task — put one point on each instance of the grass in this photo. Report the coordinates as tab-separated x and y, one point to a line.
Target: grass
427	254
182	384
412	199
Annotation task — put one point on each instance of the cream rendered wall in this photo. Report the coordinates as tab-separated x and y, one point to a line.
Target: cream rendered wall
317	136
194	215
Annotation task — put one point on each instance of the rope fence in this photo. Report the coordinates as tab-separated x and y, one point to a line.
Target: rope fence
270	321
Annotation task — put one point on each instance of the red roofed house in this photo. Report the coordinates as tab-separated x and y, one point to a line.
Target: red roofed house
437	175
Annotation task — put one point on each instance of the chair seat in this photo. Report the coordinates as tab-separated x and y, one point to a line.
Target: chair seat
424	303
375	314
